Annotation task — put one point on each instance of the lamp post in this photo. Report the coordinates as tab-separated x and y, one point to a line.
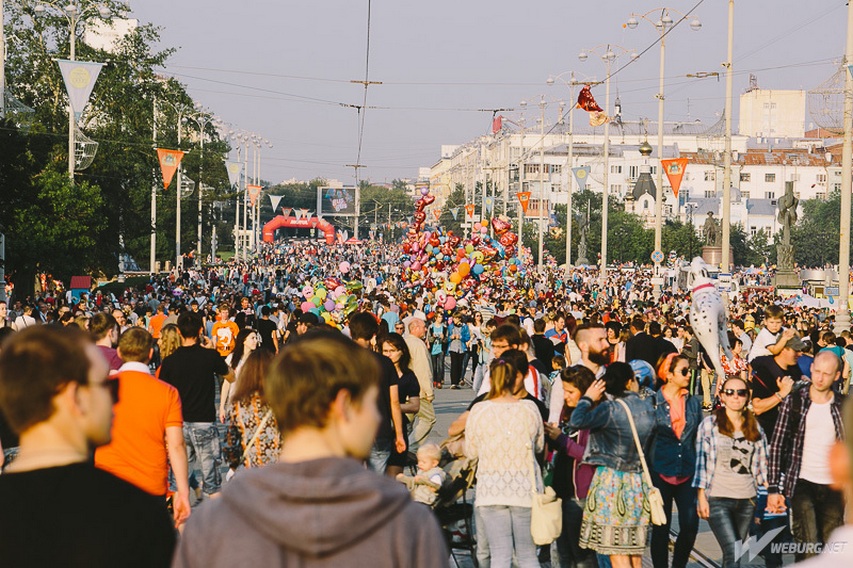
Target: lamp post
571	84
74	13
662	24
727	158
608	56
842	315
202	119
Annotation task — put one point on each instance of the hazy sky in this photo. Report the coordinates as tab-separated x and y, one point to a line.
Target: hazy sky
282	68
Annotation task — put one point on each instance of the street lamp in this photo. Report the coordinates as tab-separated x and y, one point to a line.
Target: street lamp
202	119
571	84
662	24
74	13
842	316
608	56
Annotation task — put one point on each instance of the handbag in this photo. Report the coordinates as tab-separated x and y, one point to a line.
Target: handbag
546	514
654	496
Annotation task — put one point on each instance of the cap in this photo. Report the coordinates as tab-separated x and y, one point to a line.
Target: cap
796	343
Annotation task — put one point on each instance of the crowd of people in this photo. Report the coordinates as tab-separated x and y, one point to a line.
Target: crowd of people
256	402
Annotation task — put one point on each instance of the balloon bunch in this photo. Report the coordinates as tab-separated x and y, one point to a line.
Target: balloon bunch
331	299
444	263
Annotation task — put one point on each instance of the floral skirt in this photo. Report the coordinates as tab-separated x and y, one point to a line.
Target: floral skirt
617	512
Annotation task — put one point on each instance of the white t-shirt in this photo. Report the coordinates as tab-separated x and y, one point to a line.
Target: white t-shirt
762	340
818	441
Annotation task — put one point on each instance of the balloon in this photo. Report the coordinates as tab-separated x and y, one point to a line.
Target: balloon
450	303
321	293
339	291
344	267
407	264
424	191
477	256
428	199
329	305
464	269
469	248
327	317
306	306
484	230
501	226
477	269
513	268
416	265
308	292
316	301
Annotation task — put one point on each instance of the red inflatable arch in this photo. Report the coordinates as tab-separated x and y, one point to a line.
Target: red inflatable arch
282	222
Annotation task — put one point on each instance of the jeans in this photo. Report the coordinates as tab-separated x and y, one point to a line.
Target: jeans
379	456
571	554
479	375
729	520
438	368
688	524
708	384
508	529
204	453
816	511
456	360
483	556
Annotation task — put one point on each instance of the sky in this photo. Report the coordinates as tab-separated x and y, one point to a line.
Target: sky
284	69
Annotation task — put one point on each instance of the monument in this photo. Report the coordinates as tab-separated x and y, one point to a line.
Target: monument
786	277
583	225
712	252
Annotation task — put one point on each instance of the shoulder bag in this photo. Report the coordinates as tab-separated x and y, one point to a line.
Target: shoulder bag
654	496
546	514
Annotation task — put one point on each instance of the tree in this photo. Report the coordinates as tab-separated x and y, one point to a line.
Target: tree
815	236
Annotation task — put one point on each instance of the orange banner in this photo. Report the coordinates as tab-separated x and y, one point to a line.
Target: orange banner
469	209
254	192
169	162
524	199
674	170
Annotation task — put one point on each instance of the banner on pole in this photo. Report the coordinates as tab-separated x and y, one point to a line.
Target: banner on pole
275	200
254	192
454	212
469	210
79	77
581	175
286	211
234	170
674	170
436	213
490	203
169	162
523	199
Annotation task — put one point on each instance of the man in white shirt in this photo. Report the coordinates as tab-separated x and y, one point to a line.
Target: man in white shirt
416	331
595	355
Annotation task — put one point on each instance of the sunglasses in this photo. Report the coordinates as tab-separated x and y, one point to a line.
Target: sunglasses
739	392
685	371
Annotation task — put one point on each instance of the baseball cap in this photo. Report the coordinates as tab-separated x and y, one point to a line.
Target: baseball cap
796	343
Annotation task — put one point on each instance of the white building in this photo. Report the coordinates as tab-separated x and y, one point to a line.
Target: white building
772	113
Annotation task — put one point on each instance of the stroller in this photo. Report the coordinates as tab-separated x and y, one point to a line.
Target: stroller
452	507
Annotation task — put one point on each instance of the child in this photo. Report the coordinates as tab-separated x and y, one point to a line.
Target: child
425	485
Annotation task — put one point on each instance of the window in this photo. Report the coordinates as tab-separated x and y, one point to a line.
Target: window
654	170
531	168
645	204
770	178
615	169
836	187
615	188
744	194
753	231
769	195
820	195
633	172
744	177
710	175
821	179
838	173
710	193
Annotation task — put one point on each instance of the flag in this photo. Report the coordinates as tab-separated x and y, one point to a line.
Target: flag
454	212
286	211
234	170
275	200
581	175
79	77
674	170
497	124
490	203
169	162
524	199
469	209
254	192
586	101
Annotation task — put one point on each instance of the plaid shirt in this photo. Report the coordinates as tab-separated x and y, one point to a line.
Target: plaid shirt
706	455
786	448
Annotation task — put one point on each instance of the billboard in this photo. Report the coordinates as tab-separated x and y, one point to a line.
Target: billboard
333	201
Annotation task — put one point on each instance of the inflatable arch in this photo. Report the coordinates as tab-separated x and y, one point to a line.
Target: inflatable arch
282	222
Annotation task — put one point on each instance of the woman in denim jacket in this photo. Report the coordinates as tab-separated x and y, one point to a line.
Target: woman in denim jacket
616	516
673	459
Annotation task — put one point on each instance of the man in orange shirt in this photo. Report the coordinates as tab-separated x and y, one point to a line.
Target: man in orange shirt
147	427
224	332
155	324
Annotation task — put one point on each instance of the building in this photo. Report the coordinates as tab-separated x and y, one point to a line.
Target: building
772	113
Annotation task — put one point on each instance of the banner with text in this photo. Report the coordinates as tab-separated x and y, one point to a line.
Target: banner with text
523	199
674	170
169	162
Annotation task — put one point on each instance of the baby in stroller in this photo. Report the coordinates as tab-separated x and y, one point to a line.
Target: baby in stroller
426	483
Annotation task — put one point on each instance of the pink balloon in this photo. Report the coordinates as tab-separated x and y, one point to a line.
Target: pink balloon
450	303
344	267
416	265
308	292
307	306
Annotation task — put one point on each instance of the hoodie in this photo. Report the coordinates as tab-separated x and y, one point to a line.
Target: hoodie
325	512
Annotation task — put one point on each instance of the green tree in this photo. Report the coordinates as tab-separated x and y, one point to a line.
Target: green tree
815	236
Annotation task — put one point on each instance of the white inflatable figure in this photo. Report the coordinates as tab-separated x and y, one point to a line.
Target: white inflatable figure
707	315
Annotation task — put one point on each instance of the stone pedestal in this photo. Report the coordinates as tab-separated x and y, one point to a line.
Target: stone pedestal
787	279
713	256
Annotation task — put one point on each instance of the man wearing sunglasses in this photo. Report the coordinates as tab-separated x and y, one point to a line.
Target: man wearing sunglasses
58	509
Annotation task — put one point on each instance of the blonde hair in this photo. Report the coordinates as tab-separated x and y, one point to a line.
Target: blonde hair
170	340
432	451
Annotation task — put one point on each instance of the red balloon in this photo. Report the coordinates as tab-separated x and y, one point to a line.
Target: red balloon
508	239
500	226
420	217
434	241
427	199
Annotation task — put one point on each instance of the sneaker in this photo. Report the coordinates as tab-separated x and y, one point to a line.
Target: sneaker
454	387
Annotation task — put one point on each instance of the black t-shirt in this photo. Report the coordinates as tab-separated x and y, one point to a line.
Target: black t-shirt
193	370
543	347
765	371
543	410
387	379
266	329
408	387
8	437
80	516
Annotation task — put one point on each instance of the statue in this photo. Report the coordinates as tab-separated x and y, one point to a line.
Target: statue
711	231
788	212
583	225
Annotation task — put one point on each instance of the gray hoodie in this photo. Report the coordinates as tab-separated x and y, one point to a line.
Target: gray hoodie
326	512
